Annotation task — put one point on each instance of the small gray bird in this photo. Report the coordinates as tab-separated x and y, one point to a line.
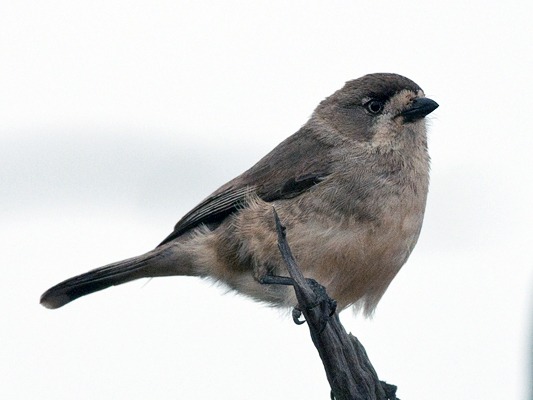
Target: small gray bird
350	186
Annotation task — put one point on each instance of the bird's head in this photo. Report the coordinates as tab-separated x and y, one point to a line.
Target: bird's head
379	109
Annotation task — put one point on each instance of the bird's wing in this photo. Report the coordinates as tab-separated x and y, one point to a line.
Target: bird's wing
294	166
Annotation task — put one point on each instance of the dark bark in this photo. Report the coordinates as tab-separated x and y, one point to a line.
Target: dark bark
348	369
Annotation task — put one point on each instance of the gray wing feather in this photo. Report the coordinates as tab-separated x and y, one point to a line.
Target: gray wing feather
293	167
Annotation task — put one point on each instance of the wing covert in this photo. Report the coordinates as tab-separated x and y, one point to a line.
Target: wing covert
293	167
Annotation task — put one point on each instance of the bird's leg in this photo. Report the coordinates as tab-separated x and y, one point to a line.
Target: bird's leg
323	299
270	279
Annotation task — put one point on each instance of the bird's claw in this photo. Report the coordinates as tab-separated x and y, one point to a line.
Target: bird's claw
296	314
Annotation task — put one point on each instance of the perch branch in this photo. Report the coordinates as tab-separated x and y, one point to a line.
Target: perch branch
348	368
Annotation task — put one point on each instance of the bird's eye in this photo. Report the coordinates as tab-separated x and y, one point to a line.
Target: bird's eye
374	106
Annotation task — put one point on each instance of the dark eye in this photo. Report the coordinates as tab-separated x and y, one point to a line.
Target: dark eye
374	106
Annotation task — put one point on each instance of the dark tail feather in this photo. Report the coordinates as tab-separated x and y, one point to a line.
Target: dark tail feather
147	265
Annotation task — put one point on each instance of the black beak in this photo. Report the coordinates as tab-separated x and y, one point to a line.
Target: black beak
420	107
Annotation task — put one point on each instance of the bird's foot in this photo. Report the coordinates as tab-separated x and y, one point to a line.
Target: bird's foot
327	304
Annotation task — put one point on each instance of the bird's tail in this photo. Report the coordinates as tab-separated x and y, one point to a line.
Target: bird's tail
159	262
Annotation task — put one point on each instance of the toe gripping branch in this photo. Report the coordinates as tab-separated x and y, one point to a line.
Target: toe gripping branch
348	368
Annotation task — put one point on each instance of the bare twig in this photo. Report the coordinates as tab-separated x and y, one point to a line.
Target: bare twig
348	369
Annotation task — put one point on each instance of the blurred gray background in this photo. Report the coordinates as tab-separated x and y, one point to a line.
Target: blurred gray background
118	117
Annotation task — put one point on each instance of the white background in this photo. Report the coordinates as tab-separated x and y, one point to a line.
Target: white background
117	117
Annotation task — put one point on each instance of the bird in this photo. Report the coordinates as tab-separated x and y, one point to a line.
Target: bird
350	186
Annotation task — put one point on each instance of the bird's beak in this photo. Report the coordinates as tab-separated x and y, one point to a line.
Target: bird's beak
420	107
